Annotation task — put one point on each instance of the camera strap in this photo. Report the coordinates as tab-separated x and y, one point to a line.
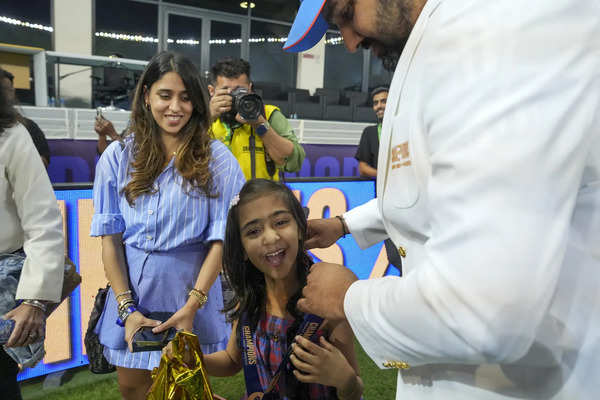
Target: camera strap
252	146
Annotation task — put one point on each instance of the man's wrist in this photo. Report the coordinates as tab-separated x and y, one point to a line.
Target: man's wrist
40	305
262	128
344	227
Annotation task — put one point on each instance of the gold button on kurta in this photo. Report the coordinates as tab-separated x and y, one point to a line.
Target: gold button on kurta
402	251
396	364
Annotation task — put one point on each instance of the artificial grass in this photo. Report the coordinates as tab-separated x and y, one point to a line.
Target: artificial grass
379	384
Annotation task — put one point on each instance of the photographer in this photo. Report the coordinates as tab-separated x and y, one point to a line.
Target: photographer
248	138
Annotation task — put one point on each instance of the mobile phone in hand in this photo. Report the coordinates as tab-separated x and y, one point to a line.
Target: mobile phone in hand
146	340
6	328
99	113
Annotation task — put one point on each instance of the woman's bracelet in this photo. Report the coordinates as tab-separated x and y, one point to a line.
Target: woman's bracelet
124	314
123	304
200	296
344	230
125	293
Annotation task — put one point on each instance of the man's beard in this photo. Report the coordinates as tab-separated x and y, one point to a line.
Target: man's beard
394	27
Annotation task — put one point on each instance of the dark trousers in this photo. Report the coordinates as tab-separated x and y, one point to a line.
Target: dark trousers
9	388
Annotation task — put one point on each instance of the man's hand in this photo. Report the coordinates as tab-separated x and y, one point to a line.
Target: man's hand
220	102
104	127
30	325
325	289
255	123
322	233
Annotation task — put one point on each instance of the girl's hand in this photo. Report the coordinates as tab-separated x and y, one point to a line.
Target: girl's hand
168	350
324	364
134	322
183	319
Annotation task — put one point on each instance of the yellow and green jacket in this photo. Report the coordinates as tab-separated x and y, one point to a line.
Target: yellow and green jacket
248	148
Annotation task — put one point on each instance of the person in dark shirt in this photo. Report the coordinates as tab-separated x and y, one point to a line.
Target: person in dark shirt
38	137
368	148
367	152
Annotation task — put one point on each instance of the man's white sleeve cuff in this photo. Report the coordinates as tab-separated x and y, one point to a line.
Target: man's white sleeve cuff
365	224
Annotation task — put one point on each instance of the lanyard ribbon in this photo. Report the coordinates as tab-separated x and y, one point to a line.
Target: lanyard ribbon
308	329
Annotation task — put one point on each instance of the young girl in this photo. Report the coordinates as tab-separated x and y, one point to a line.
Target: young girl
266	264
160	204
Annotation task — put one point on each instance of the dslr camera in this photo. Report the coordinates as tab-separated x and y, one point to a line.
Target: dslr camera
248	105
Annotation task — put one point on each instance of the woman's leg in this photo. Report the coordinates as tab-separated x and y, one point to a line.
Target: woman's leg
133	383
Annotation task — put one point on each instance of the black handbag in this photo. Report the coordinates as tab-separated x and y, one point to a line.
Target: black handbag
95	350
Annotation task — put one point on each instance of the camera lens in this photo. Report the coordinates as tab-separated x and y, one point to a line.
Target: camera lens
249	106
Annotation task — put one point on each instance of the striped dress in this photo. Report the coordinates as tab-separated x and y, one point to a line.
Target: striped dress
166	236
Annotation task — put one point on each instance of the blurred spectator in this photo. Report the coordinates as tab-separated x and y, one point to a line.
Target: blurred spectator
31	246
106	132
38	137
368	148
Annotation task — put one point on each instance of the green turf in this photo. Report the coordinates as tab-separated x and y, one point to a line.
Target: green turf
379	384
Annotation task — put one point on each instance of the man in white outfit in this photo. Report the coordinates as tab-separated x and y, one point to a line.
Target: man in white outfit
489	180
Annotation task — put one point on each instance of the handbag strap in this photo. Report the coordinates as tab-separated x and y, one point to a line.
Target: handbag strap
308	329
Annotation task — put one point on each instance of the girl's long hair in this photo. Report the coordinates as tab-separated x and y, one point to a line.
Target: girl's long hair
193	157
248	283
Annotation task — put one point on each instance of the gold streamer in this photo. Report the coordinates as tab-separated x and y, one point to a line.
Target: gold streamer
181	374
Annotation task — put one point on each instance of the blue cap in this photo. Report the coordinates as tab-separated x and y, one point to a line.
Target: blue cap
308	27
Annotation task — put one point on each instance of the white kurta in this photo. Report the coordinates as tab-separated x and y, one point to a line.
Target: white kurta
489	177
29	217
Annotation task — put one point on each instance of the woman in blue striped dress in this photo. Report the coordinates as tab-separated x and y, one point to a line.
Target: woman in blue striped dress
161	199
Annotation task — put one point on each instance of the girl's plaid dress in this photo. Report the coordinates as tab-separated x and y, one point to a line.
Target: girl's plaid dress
271	344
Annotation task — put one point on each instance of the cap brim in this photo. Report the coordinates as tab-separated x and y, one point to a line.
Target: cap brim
308	27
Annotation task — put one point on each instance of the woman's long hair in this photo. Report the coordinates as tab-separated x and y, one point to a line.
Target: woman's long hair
193	157
248	283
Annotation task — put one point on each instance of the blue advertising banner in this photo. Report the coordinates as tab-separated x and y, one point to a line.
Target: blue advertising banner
75	161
